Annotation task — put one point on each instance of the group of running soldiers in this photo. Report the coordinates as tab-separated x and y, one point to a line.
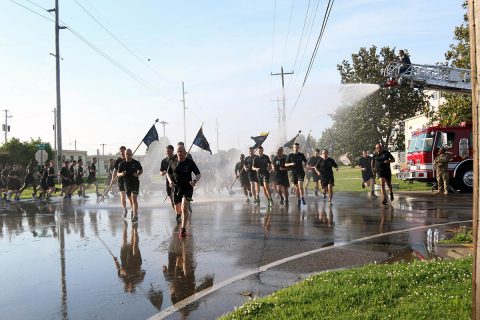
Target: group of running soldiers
43	180
255	171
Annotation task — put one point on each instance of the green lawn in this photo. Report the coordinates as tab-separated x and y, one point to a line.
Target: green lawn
350	179
418	290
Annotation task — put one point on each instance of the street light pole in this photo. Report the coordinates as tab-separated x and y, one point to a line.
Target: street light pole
184	118
163	123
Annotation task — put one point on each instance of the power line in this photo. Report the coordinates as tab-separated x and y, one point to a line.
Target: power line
33	11
123	44
106	56
320	36
288	30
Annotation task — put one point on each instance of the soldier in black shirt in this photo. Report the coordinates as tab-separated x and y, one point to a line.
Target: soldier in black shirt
381	164
71	175
51	178
14	183
261	164
121	181
79	179
29	179
324	169
241	174
130	170
365	164
281	175
92	175
311	164
296	160
65	179
252	175
180	178
164	166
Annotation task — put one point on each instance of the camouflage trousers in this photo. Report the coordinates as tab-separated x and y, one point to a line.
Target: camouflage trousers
442	180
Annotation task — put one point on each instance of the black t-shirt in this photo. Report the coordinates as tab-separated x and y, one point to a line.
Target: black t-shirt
262	162
297	159
239	168
325	167
365	162
92	170
182	173
79	172
64	173
166	162
313	161
117	163
51	175
380	158
249	162
71	172
279	163
130	167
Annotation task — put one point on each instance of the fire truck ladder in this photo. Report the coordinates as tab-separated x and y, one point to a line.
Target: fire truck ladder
431	77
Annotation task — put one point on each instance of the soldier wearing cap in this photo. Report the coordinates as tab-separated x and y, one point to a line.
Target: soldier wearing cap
441	169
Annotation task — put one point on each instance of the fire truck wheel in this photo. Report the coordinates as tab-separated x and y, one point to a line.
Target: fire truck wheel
464	178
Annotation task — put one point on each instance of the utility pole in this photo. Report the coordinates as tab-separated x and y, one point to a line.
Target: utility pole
279	111
474	30
55	128
218	149
184	118
283	132
163	123
58	125
103	148
6	127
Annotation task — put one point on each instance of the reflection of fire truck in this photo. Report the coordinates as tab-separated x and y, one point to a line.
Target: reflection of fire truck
424	144
423	148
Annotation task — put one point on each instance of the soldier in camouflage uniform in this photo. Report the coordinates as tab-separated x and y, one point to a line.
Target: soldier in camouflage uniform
441	170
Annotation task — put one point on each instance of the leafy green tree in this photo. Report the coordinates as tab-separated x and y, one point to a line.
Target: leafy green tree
15	151
458	107
378	117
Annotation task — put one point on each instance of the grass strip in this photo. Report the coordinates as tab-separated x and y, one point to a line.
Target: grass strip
418	290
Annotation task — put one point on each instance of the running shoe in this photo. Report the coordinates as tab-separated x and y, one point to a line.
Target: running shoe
385	201
250	194
183	233
324	196
363	185
270	202
134	219
391	196
299	203
303	201
124	215
286	202
281	201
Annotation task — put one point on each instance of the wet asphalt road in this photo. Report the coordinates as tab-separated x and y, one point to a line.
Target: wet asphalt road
76	260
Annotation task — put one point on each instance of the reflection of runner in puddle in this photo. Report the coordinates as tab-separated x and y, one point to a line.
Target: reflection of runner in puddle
180	272
130	265
326	218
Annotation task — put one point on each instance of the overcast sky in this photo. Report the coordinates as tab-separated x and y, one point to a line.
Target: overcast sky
224	51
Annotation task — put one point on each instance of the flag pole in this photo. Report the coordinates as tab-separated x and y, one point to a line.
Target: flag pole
306	141
114	179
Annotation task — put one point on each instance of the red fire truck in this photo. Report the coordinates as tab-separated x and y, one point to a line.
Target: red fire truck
423	148
424	144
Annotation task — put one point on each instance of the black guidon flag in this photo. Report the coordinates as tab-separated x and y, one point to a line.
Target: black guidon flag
290	143
201	142
152	135
259	139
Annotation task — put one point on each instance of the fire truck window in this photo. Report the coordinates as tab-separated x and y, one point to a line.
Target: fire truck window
445	139
411	144
428	142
